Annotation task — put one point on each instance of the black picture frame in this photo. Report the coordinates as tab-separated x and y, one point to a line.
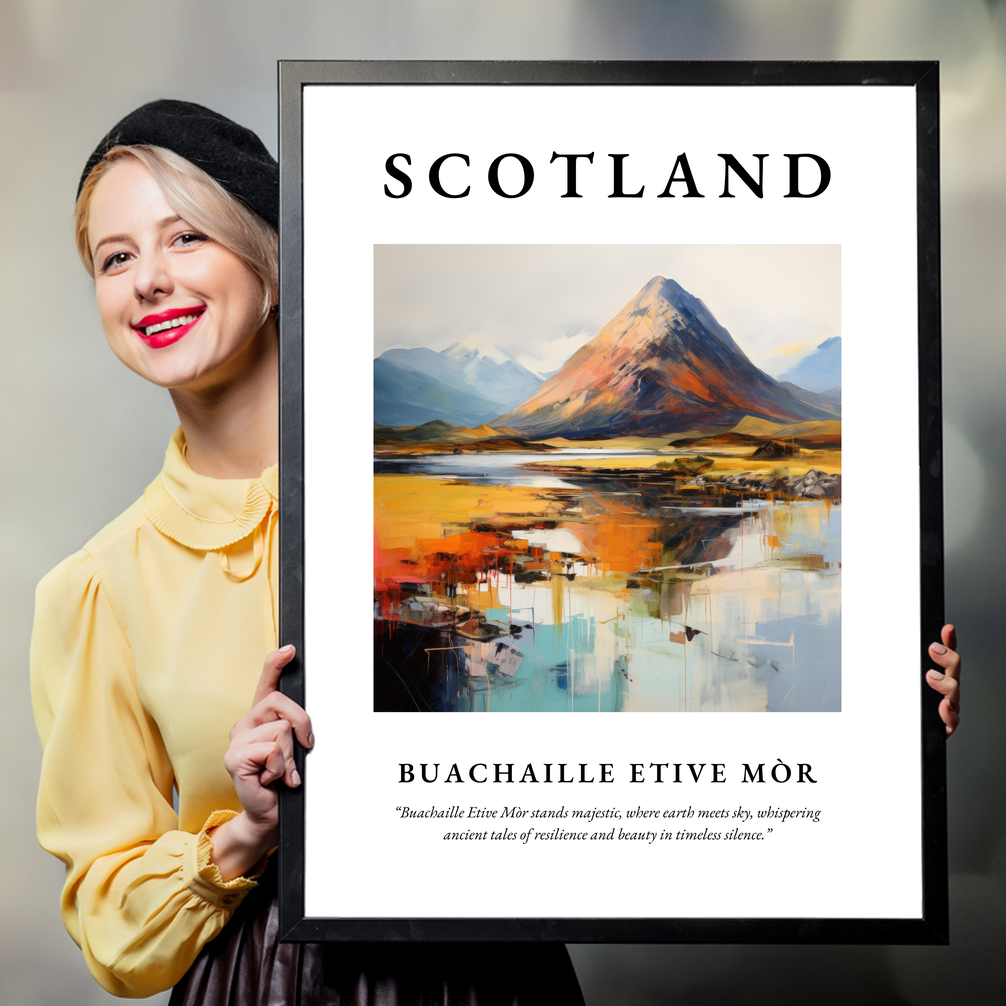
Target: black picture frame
931	926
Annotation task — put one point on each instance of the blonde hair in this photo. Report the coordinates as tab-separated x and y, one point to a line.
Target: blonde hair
199	200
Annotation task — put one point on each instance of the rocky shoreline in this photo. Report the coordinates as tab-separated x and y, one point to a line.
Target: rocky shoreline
814	484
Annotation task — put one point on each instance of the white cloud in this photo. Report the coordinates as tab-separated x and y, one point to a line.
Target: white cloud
539	303
551	354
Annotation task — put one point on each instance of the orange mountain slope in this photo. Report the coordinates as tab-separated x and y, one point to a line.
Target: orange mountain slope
662	364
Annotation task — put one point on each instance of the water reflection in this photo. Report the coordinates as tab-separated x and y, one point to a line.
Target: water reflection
599	591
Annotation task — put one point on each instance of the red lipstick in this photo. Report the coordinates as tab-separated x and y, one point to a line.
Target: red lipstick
165	333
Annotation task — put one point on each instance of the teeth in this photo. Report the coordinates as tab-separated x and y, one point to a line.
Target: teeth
174	323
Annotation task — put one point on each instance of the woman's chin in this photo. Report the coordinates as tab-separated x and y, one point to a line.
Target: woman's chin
173	374
198	365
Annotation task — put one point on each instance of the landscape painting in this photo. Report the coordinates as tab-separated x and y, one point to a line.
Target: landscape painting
607	478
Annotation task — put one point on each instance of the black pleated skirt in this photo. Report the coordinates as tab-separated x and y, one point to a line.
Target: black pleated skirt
246	965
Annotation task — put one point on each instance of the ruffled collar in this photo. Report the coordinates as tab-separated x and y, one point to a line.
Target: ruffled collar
203	513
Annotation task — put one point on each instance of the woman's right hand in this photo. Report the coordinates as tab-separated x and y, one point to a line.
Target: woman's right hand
259	754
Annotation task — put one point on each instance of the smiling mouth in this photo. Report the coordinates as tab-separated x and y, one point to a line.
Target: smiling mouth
166	322
185	319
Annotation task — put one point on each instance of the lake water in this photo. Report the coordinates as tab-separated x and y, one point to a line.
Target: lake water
598	591
495	467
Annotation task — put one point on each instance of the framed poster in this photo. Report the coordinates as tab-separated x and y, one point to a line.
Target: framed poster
611	498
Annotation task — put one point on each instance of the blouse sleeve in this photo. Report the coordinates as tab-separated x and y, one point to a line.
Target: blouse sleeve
141	898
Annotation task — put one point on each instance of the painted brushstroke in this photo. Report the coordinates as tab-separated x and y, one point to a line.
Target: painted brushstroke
662	364
685	556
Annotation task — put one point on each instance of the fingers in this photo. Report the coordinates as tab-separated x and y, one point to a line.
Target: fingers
279	764
270	703
247	761
949	660
277	706
265	751
949	636
950	716
947	680
261	762
945	653
948	711
271	671
261	749
949	688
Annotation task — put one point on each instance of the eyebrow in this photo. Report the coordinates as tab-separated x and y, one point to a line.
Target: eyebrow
111	238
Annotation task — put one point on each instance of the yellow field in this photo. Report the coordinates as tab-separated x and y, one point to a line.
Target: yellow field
726	460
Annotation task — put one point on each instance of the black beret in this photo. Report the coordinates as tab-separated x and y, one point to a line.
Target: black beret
231	154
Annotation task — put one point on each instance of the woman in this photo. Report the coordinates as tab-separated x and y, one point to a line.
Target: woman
149	642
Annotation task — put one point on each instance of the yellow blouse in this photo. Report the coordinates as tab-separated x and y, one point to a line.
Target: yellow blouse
147	647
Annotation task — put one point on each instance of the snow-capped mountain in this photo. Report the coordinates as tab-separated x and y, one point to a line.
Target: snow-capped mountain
493	372
409	384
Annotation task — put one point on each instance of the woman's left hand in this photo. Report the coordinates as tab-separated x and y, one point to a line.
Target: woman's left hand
947	682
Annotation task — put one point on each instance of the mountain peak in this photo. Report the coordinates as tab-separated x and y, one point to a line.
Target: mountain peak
472	347
661	293
656	289
665	286
662	363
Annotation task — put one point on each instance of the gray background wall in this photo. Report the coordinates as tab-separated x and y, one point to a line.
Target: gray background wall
81	437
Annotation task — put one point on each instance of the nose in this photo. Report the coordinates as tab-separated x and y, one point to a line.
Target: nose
152	276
